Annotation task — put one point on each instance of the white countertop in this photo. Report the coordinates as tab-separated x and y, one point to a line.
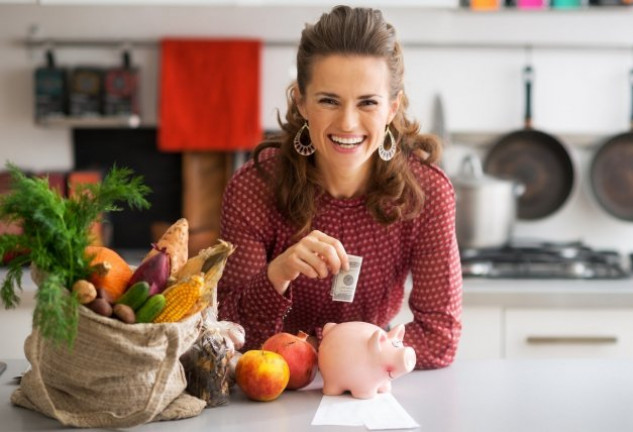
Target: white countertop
488	395
563	293
502	292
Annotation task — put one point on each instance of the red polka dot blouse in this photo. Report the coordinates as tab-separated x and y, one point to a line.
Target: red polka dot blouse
425	246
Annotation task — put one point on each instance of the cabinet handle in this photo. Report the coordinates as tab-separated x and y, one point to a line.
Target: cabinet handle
586	340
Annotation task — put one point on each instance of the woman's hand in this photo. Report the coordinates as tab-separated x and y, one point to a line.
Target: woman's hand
315	255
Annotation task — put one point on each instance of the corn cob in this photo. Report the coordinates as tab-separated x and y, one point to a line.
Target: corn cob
206	260
180	298
216	259
194	264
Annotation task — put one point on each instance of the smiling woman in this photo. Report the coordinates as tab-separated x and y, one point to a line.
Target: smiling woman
350	177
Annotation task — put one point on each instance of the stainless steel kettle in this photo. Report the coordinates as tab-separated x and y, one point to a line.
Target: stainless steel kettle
486	206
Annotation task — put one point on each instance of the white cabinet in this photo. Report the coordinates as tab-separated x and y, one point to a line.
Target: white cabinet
559	333
482	330
512	332
16	326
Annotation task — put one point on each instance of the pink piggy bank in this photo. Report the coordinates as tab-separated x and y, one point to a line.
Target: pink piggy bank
362	358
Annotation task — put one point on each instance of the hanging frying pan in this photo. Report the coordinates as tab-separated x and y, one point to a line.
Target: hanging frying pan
535	159
612	172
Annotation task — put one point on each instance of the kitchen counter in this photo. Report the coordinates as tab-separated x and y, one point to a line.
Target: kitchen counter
491	395
501	292
559	293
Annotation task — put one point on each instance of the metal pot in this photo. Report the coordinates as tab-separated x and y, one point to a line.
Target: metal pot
486	206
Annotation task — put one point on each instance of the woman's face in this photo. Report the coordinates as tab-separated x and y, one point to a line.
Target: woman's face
347	106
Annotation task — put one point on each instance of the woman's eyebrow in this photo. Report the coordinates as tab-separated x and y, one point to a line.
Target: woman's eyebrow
326	94
334	95
370	96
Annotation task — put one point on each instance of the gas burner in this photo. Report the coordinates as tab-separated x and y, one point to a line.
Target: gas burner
545	260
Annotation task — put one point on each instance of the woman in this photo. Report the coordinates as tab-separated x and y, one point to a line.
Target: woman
350	175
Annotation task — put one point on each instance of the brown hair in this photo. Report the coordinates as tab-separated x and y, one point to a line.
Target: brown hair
393	193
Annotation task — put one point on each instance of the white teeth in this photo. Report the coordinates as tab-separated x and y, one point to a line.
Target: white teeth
347	141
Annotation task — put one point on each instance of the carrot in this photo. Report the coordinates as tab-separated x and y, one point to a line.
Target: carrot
176	242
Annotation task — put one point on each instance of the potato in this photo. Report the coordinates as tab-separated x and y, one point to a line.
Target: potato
101	307
176	241
103	293
85	291
124	313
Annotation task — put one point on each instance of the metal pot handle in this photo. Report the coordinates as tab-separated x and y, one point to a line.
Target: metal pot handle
518	189
471	167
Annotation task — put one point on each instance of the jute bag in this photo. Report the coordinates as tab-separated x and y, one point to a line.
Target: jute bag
117	375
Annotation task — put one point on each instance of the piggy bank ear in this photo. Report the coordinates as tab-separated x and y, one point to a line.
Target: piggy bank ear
397	332
376	340
328	327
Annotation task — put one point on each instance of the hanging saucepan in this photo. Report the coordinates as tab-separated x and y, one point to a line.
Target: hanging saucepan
612	172
536	160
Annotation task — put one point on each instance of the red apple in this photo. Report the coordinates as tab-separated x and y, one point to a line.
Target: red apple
262	375
300	355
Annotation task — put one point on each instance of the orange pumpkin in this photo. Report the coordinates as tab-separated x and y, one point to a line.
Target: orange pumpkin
111	273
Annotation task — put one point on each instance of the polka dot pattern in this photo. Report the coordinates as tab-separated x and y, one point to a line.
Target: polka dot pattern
425	246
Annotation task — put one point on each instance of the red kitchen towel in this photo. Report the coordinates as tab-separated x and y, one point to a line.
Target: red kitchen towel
209	95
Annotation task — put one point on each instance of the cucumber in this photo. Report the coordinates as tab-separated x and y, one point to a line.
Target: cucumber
150	310
135	295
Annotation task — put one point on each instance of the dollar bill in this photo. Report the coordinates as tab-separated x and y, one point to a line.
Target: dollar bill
344	283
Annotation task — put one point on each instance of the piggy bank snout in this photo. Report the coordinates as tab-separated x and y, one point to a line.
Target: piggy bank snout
409	359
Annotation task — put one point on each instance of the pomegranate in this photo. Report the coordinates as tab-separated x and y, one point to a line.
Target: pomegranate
299	354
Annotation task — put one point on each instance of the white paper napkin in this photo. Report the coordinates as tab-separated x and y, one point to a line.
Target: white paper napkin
381	412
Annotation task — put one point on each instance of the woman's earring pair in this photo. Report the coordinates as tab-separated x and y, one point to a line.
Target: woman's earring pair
306	149
301	147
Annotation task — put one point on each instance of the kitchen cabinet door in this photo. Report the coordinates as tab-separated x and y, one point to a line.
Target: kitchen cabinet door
15	325
566	333
481	333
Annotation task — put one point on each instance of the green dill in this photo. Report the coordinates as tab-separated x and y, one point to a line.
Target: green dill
55	233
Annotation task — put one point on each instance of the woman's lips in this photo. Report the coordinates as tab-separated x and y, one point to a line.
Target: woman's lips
346	144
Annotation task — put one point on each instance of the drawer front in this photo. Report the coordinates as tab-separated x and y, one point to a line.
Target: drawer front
559	333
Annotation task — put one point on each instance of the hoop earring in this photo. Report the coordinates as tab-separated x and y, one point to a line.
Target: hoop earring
301	148
387	154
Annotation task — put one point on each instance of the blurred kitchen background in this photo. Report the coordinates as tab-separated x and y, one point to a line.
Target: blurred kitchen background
465	82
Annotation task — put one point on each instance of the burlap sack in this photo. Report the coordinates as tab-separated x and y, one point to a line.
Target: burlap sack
117	375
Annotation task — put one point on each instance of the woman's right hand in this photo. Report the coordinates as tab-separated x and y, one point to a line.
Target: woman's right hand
315	256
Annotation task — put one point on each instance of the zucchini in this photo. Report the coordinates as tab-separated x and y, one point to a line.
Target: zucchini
135	295
150	310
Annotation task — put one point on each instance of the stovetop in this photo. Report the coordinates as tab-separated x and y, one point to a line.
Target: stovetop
543	259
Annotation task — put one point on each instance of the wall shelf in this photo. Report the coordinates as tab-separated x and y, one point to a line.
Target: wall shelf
246	3
131	121
56	43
